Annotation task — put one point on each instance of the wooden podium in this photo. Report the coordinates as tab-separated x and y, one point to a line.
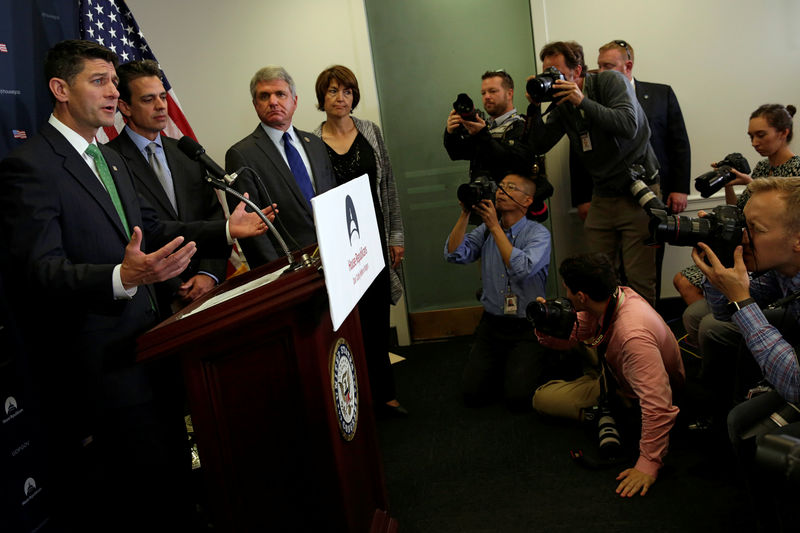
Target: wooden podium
258	374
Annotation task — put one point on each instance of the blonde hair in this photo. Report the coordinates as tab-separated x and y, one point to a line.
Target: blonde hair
789	190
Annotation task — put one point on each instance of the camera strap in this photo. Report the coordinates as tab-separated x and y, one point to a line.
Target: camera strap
600	342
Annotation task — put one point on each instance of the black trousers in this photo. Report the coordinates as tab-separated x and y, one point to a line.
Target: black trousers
506	362
373	310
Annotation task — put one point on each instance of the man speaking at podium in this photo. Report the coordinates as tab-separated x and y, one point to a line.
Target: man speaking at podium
83	249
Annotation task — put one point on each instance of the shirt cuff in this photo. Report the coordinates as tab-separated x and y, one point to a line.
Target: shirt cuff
120	292
647	466
228	232
210	275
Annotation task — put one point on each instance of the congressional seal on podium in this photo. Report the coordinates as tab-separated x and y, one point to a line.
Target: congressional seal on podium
344	384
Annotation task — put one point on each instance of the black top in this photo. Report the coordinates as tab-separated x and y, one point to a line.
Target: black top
357	161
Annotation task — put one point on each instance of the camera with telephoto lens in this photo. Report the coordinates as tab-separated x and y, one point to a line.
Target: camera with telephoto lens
643	194
542	87
481	188
711	182
465	107
721	230
553	317
608	439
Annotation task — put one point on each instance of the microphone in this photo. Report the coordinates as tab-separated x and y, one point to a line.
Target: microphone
194	151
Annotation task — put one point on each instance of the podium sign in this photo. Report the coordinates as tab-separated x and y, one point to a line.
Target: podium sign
349	244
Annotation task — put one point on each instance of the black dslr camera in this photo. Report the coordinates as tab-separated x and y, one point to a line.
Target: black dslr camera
481	188
541	88
721	230
554	317
465	108
711	182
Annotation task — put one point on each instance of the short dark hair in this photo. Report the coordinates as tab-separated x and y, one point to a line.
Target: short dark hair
778	117
134	70
572	52
507	83
65	59
346	79
593	274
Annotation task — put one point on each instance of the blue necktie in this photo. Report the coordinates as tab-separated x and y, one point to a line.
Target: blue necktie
298	168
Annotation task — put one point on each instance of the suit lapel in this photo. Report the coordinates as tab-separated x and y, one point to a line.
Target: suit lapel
285	173
143	172
125	190
77	167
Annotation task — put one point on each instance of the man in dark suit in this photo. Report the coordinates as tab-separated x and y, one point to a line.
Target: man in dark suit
82	249
173	184
668	135
287	175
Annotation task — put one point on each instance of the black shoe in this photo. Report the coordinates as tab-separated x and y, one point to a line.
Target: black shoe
392	411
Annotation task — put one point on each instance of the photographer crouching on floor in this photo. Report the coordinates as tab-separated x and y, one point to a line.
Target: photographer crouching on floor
771	248
639	358
515	256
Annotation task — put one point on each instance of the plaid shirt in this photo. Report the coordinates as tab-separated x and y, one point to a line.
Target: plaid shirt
774	354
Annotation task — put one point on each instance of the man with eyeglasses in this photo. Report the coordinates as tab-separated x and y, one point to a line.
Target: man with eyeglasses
515	257
608	131
492	147
771	245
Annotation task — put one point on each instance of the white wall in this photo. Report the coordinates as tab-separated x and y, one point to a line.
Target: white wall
210	49
723	58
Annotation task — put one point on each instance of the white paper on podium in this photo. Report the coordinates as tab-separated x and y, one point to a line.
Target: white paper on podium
349	244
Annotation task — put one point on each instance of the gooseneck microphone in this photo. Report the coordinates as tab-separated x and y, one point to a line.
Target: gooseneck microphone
194	151
219	179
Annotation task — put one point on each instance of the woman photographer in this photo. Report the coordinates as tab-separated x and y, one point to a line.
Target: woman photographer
770	132
356	148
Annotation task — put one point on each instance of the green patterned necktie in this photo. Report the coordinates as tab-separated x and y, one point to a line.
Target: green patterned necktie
108	181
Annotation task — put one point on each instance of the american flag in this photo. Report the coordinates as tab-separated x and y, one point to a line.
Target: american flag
3	47
19	134
111	24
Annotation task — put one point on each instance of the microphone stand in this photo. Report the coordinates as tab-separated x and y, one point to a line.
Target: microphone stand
222	186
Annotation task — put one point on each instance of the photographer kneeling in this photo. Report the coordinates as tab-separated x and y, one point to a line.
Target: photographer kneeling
770	246
515	255
641	355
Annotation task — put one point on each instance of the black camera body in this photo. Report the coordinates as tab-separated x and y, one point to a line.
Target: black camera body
554	317
465	107
721	230
481	188
711	182
542	87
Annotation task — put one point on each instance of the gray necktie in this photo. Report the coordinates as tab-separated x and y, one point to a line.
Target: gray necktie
162	174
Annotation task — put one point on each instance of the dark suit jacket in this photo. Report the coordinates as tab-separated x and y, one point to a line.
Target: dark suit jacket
196	200
60	239
273	182
668	135
668	138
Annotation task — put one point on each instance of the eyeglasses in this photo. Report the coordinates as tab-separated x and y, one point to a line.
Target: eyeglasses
507	186
624	45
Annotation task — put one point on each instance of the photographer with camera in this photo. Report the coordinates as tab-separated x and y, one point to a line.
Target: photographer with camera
494	146
515	256
771	247
642	358
608	130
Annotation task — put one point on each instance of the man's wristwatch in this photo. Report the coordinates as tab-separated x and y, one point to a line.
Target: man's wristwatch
737	306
